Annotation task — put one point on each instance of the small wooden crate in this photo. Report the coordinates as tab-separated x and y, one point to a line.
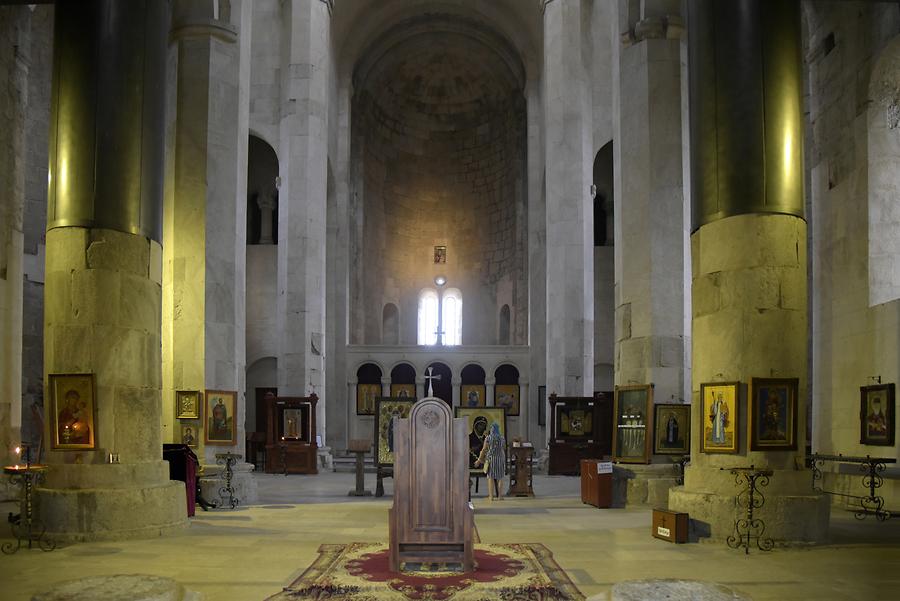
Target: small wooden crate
670	526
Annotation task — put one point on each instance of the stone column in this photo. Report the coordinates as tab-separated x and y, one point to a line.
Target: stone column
385	386
267	206
748	252
649	219
104	269
570	226
456	382
537	251
14	34
420	387
489	384
649	212
302	202
205	223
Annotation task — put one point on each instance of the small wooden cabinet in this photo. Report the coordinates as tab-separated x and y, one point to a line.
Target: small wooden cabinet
596	487
670	526
291	435
520	471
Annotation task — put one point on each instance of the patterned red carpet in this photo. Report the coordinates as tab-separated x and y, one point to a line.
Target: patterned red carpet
359	572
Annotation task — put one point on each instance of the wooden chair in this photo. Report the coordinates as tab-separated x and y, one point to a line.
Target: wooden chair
432	519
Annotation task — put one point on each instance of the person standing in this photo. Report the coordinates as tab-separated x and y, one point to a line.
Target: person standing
493	456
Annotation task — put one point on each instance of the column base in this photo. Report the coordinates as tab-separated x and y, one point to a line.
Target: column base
325	458
643	485
103	514
242	481
792	513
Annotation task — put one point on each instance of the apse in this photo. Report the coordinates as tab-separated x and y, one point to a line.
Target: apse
437	180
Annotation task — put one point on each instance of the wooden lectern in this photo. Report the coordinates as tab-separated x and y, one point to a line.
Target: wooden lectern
432	519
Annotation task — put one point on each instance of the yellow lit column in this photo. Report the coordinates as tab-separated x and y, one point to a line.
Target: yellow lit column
204	229
748	251
103	270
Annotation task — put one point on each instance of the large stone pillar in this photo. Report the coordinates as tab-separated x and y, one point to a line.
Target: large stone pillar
649	219
537	259
649	209
104	268
205	224
14	35
302	202
748	251
570	225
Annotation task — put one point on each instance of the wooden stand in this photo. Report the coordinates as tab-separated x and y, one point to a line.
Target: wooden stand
291	436
596	488
432	519
520	473
360	448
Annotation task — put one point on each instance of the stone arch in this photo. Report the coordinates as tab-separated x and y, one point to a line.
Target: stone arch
506	373
262	192
604	267
472	373
369	366
438	104
443	388
884	176
360	24
261	377
603	195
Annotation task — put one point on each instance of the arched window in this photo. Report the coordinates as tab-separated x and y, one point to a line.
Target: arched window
390	324
452	317
428	317
503	338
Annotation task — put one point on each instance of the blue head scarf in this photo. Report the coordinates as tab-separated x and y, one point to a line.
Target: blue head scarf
495	429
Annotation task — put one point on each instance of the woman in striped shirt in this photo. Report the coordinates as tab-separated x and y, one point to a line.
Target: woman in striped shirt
493	456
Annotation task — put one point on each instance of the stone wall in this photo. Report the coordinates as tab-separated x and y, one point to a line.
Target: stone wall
853	339
459	188
265	71
438	152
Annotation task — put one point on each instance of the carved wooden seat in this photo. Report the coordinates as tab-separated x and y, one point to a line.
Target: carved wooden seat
432	519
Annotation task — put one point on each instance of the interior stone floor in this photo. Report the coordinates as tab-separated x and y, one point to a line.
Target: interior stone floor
252	552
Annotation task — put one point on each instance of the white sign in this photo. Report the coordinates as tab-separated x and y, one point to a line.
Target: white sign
604	467
663	531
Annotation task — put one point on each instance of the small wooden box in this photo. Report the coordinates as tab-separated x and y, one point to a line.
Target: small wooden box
670	526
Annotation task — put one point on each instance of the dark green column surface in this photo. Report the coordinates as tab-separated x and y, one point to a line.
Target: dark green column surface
107	139
746	108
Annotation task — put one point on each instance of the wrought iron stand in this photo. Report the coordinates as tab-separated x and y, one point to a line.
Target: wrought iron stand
680	464
24	526
871	468
750	529
226	493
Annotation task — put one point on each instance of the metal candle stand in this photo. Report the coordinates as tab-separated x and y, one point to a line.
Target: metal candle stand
24	526
680	464
750	529
226	493
872	468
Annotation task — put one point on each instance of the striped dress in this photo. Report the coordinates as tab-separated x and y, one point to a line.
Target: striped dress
495	458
